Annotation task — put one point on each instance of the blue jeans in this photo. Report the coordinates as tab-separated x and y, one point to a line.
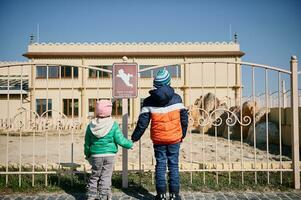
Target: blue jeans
167	154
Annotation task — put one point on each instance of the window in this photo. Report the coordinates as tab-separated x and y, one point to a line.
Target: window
116	107
66	72
146	74
41	71
92	103
93	73
174	70
67	107
53	72
41	107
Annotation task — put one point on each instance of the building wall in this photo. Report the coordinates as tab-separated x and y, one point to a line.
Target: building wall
195	80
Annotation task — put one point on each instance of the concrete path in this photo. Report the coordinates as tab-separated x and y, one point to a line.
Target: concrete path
294	195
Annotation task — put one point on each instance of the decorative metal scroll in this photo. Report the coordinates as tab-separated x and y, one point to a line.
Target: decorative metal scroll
28	120
215	118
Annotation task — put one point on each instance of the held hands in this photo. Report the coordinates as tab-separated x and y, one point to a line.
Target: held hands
133	144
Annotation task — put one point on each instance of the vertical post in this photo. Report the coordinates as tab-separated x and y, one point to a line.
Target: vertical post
32	90
125	151
238	84
284	99
295	121
84	112
185	86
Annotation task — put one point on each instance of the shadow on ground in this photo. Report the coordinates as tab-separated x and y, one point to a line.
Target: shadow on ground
76	187
137	191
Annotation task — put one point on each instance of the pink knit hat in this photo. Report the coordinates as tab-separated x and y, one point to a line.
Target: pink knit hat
103	108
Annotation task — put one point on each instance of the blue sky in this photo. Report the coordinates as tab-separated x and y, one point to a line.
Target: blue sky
269	31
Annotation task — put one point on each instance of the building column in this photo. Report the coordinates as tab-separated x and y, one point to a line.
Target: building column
186	86
84	104
238	87
32	90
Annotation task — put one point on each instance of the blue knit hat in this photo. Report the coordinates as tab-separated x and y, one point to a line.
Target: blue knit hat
162	78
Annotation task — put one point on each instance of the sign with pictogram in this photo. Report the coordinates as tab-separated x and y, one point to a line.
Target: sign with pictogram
125	80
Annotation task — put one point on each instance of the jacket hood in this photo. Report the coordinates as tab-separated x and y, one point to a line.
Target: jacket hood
100	127
162	95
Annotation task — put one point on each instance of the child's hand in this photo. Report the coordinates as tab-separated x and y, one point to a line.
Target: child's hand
132	148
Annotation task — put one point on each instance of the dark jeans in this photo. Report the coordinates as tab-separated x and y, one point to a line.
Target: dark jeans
167	154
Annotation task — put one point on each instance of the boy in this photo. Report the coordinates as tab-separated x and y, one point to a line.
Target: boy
101	139
168	128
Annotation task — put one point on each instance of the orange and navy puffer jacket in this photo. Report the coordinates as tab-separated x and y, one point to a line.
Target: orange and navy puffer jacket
168	116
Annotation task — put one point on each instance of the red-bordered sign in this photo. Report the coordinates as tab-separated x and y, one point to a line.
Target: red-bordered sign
125	80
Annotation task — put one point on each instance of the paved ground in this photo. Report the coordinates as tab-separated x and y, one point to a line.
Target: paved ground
296	195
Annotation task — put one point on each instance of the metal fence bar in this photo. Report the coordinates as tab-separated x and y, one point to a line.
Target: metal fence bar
60	125
254	123
21	128
33	69
98	81
241	133
72	127
295	121
202	127
228	132
280	122
215	127
7	123
267	121
46	132
190	132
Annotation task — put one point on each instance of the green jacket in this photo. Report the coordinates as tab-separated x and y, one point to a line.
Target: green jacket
102	137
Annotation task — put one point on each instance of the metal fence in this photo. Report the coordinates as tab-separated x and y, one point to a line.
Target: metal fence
222	137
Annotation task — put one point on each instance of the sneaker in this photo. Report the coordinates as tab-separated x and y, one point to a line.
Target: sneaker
161	197
174	196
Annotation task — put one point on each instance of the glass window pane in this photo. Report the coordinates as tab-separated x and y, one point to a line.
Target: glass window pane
38	105
41	107
67	71
75	72
91	105
70	106
92	73
146	74
41	71
75	107
65	106
175	70
53	71
50	107
119	108
106	74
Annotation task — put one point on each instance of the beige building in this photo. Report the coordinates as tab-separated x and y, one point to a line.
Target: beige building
60	73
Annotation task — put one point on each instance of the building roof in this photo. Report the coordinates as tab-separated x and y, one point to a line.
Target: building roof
37	50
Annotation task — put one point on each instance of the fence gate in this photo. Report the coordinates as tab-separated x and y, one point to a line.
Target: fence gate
239	126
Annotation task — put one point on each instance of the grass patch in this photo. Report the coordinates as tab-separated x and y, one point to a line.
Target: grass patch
143	183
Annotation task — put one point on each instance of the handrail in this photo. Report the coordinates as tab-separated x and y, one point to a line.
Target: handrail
158	66
225	62
55	64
